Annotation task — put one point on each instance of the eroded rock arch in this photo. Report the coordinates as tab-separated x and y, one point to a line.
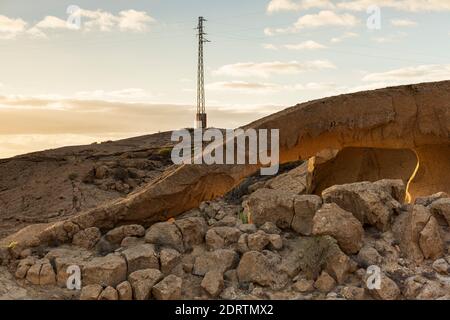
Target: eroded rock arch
414	117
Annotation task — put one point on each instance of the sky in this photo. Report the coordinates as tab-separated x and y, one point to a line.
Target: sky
77	72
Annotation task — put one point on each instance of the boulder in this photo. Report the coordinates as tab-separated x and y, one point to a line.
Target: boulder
305	207
165	234
267	205
441	209
297	180
142	256
303	285
169	258
125	291
418	234
33	273
388	289
213	283
261	268
193	231
353	293
87	238
270	228
257	241
109	293
168	289
221	237
116	235
105	271
370	203
219	260
428	200
441	266
325	283
369	256
47	275
340	224
142	282
91	292
430	240
23	267
275	242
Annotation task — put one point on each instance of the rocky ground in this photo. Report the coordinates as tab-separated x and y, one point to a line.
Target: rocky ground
52	185
266	239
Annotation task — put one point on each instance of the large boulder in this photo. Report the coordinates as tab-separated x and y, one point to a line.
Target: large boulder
105	271
222	237
418	234
267	205
116	235
261	268
370	203
219	260
193	231
441	209
142	282
168	289
333	221
297	180
143	256
165	234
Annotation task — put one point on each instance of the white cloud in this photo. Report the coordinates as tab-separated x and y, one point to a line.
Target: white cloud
346	35
269	46
390	38
403	5
359	5
306	45
98	20
422	73
403	23
132	20
11	27
321	19
267	88
243	86
265	69
290	5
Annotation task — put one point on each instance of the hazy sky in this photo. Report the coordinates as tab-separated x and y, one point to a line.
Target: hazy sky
130	67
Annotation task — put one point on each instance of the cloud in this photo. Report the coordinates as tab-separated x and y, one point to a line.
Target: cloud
243	86
344	36
90	20
265	69
402	5
11	27
267	88
132	20
414	74
359	5
290	5
403	23
321	19
306	45
390	38
269	46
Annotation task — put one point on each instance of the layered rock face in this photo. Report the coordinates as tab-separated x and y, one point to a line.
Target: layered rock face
414	117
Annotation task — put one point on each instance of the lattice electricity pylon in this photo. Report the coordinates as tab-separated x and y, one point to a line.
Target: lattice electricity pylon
201	120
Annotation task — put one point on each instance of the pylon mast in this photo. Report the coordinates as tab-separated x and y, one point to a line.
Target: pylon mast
201	120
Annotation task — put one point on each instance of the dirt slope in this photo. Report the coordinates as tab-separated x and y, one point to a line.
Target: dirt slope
49	185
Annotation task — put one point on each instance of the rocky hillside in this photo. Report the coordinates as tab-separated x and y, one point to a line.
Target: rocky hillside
267	239
55	184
